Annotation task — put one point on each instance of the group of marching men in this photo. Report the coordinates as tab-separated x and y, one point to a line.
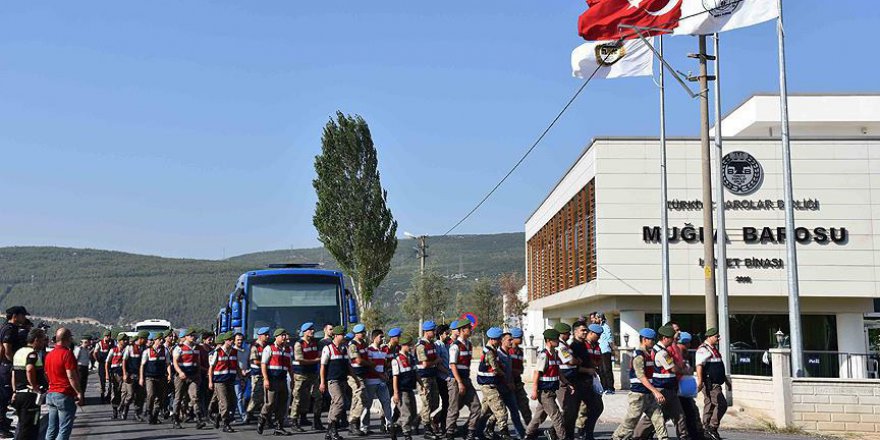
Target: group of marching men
174	376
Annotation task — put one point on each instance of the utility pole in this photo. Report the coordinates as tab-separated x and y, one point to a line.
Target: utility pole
706	167
666	298
723	310
794	301
423	253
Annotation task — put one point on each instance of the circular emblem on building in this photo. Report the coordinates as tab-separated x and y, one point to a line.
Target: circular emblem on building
742	174
720	8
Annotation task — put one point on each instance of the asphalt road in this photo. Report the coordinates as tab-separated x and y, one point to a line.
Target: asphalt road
93	422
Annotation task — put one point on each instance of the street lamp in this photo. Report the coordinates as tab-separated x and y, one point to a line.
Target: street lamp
531	340
626	339
780	338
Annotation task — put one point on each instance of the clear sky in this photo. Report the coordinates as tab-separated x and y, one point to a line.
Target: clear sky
190	128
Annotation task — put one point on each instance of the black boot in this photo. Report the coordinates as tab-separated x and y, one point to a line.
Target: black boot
335	431
471	435
504	435
200	423
304	420
353	429
317	423
392	429
329	434
279	428
295	424
115	413
551	434
261	425
125	413
489	433
138	415
227	428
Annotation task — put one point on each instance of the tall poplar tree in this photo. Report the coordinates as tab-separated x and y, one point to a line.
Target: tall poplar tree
352	216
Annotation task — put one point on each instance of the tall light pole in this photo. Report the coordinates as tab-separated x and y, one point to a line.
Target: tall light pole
421	250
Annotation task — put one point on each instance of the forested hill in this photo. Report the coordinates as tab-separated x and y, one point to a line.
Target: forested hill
118	288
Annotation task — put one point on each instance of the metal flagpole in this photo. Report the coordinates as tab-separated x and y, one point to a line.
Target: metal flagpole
706	172
664	210
721	242
794	302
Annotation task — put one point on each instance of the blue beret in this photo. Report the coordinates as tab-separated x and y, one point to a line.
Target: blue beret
306	327
394	332
494	333
684	337
648	333
183	334
516	333
360	328
349	336
263	330
596	328
428	326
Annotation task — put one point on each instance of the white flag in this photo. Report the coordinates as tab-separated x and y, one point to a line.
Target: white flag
613	59
703	17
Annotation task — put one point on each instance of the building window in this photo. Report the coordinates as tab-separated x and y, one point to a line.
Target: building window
562	254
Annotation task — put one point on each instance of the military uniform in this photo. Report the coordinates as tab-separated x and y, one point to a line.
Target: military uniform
360	363
713	380
155	372
276	367
224	372
334	372
187	389
516	362
113	367
100	352
132	391
460	355
641	399
546	386
255	359
426	355
490	378
666	381
306	390
405	377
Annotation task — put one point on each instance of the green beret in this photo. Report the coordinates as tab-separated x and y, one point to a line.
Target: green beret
551	334
712	332
280	331
338	330
562	328
221	338
122	337
143	334
666	331
107	333
160	335
406	340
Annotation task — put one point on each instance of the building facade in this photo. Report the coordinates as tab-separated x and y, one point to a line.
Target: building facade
594	242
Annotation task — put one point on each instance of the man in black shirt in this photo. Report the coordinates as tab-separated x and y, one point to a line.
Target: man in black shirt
29	379
10	341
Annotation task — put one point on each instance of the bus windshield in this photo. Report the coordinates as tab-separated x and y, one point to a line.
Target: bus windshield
289	301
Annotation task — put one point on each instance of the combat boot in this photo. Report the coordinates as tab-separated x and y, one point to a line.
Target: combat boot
295	424
115	413
227	427
504	435
317	423
304	420
279	429
471	435
261	425
329	434
354	430
335	431
489	433
200	423
392	428
125	413
138	416
551	434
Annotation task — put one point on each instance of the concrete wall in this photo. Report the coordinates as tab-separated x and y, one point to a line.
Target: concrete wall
753	393
836	405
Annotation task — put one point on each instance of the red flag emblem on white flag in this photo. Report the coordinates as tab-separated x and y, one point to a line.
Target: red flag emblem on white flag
603	18
613	59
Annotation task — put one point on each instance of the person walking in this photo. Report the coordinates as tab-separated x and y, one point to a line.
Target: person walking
643	397
255	357
306	357
242	383
185	361
444	375
29	382
490	376
276	367
132	392
665	379
711	377
360	365
608	348
426	355
376	381
155	371
223	373
335	369
403	369
517	357
585	348
546	381
99	355
64	392
83	355
113	370
568	367
13	336
461	389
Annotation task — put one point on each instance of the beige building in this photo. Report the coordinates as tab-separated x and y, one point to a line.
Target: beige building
594	242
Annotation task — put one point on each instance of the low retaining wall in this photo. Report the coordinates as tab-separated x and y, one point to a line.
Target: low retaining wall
836	405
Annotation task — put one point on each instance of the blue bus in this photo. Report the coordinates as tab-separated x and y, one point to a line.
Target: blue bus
286	295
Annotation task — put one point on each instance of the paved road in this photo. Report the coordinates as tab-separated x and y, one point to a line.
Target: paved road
93	422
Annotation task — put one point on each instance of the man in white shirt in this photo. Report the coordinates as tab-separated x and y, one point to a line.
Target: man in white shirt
83	355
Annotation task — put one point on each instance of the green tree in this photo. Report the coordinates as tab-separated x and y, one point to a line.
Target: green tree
351	216
514	308
428	298
487	304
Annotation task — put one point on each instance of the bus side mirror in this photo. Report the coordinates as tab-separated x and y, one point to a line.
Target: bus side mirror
352	307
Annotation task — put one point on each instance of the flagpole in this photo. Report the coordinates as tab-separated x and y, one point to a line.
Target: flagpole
794	302
721	242
664	210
